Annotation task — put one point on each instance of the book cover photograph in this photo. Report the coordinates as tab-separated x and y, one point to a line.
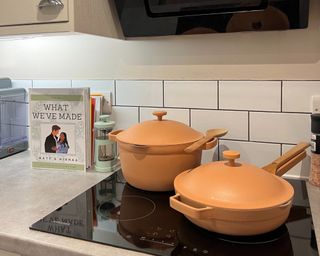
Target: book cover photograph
58	129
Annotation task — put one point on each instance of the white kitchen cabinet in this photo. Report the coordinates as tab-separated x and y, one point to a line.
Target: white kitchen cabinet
96	17
27	12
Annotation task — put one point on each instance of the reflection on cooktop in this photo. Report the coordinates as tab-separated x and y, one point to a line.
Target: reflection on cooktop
117	214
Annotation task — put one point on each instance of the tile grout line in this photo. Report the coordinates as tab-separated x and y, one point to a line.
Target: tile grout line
257	141
162	93
139	115
281	97
145	106
218	95
115	91
248	125
219	150
256	111
210	80
221	110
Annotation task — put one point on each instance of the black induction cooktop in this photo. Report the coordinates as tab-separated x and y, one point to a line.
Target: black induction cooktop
117	214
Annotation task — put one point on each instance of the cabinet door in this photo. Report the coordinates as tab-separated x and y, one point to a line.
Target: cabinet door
28	12
5	253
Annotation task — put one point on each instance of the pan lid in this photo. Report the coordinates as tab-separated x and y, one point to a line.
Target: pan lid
159	132
233	185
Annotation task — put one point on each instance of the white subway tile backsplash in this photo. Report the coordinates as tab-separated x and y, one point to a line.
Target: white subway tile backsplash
235	121
279	127
139	93
26	84
124	117
297	95
251	110
250	95
190	94
51	83
180	115
97	86
210	155
259	154
302	169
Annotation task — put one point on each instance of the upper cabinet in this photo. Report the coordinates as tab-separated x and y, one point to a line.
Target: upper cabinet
97	17
32	12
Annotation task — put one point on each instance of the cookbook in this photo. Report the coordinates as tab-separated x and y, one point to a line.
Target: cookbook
60	128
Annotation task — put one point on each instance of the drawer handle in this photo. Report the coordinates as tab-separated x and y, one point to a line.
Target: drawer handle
50	3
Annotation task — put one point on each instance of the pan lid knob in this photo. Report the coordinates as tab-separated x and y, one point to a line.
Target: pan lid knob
159	114
231	155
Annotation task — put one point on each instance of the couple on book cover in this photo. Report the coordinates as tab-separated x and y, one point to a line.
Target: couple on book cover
56	143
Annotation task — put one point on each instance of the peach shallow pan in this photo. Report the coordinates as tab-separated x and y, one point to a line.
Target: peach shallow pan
236	198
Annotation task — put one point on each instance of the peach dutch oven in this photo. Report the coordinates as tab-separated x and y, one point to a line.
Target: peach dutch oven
154	152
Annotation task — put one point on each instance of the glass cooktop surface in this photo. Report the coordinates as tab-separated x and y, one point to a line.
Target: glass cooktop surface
117	214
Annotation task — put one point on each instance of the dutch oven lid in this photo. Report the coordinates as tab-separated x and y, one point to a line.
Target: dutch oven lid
159	132
227	184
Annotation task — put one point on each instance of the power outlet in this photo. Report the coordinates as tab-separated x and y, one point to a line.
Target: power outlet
315	104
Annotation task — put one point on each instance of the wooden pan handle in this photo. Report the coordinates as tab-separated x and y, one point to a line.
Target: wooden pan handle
285	162
291	153
287	166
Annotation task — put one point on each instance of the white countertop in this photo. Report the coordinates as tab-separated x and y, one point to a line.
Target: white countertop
27	195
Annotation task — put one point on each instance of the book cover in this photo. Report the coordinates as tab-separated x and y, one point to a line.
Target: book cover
59	128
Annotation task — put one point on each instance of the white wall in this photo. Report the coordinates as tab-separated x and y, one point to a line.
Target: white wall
71	61
280	55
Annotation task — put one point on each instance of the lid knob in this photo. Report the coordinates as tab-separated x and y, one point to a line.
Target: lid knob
159	114
231	155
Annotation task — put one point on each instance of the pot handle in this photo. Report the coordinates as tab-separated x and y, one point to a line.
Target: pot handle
113	135
200	144
210	144
196	213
